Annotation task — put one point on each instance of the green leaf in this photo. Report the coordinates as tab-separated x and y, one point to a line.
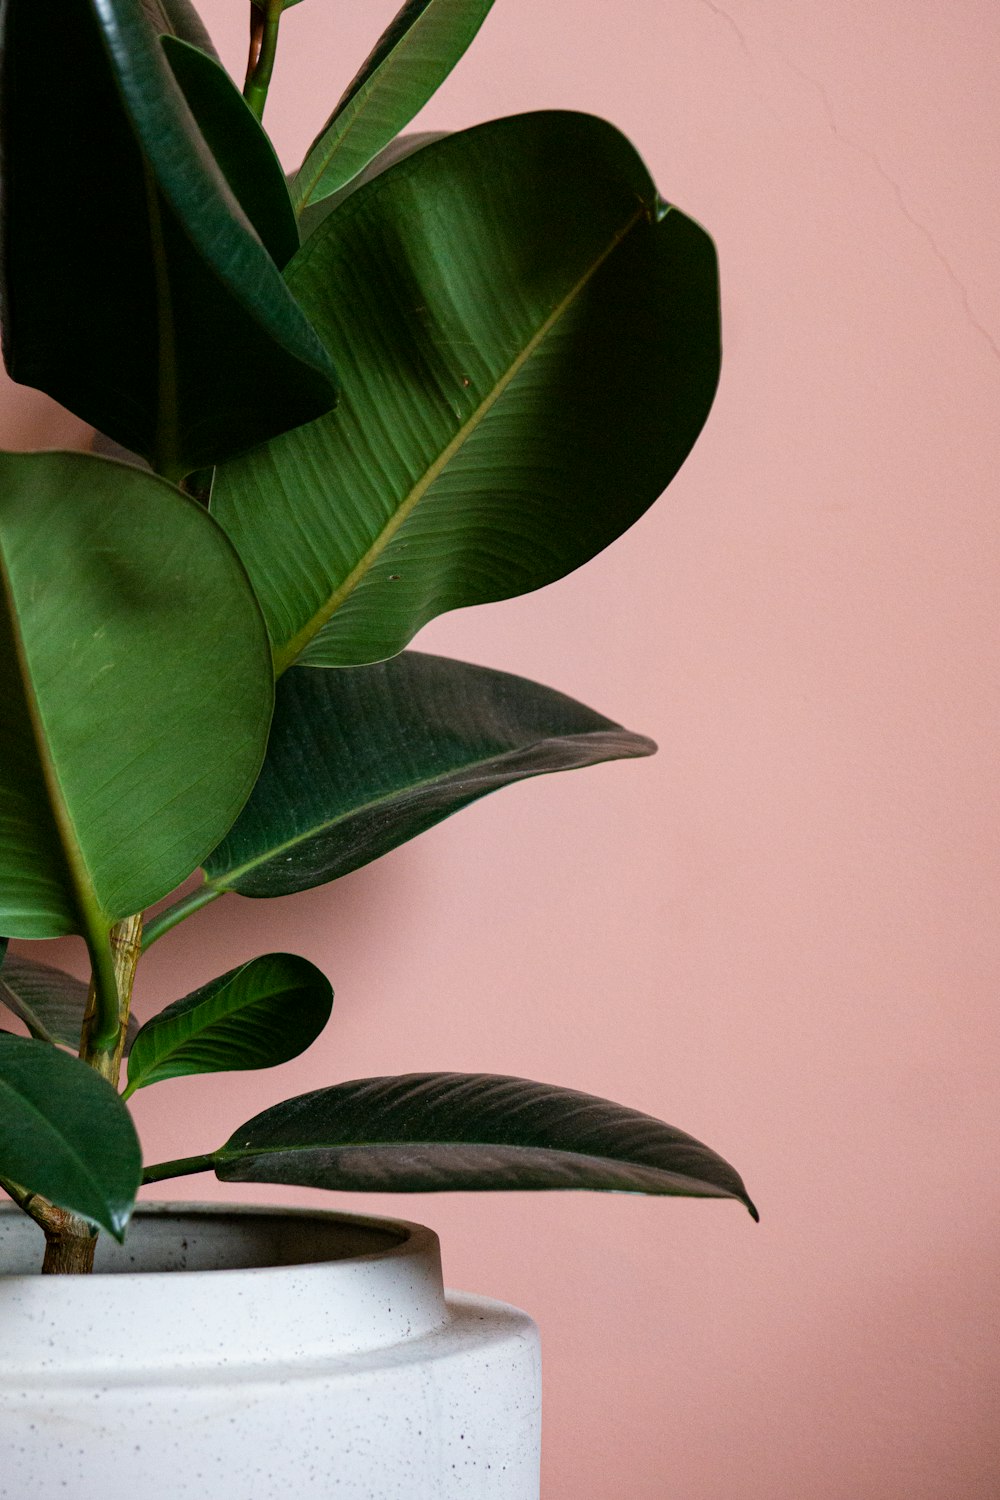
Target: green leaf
66	1134
256	1016
137	689
313	215
529	342
409	62
136	289
241	149
454	1132
183	21
50	1002
364	758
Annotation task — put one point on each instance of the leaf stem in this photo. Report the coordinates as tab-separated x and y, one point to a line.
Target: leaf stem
183	1166
264	22
14	1190
100	1021
105	1021
185	907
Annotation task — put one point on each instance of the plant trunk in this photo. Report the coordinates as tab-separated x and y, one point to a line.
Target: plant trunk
70	1243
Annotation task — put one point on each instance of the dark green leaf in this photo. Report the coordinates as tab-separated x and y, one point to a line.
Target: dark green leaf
240	148
409	62
136	290
49	1001
183	21
66	1134
364	758
529	342
451	1132
136	686
261	1014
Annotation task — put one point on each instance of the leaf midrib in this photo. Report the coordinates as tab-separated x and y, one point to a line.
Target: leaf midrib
224	883
285	656
243	1153
26	1013
368	89
51	1130
212	1011
94	921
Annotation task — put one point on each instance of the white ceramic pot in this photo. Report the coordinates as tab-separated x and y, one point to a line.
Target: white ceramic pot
254	1353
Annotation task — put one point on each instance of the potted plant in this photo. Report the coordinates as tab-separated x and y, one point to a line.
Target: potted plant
421	373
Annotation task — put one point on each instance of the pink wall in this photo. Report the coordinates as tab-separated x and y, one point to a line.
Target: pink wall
781	933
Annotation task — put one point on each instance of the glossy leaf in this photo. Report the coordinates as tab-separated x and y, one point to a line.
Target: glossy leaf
409	62
136	289
454	1132
184	22
50	1002
362	759
136	684
256	1016
313	215
529	343
240	148
66	1134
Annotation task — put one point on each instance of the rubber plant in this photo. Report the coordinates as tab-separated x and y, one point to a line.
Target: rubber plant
420	373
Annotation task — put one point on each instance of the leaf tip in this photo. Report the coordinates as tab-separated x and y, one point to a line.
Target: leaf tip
118	1221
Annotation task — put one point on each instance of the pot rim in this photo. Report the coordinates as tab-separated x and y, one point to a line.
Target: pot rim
236	1314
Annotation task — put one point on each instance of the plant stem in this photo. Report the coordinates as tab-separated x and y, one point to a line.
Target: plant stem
103	1054
183	1166
103	1002
70	1242
264	24
171	915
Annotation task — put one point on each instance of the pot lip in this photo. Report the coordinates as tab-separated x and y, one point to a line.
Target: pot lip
410	1240
194	1289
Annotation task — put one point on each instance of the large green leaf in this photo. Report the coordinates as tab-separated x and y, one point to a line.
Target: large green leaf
409	61
50	1002
256	1016
364	758
136	289
66	1134
451	1132
529	342
136	688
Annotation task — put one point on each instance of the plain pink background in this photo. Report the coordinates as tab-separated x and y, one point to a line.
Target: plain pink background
780	934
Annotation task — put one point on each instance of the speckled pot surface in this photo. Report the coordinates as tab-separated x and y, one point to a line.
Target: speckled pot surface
251	1354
